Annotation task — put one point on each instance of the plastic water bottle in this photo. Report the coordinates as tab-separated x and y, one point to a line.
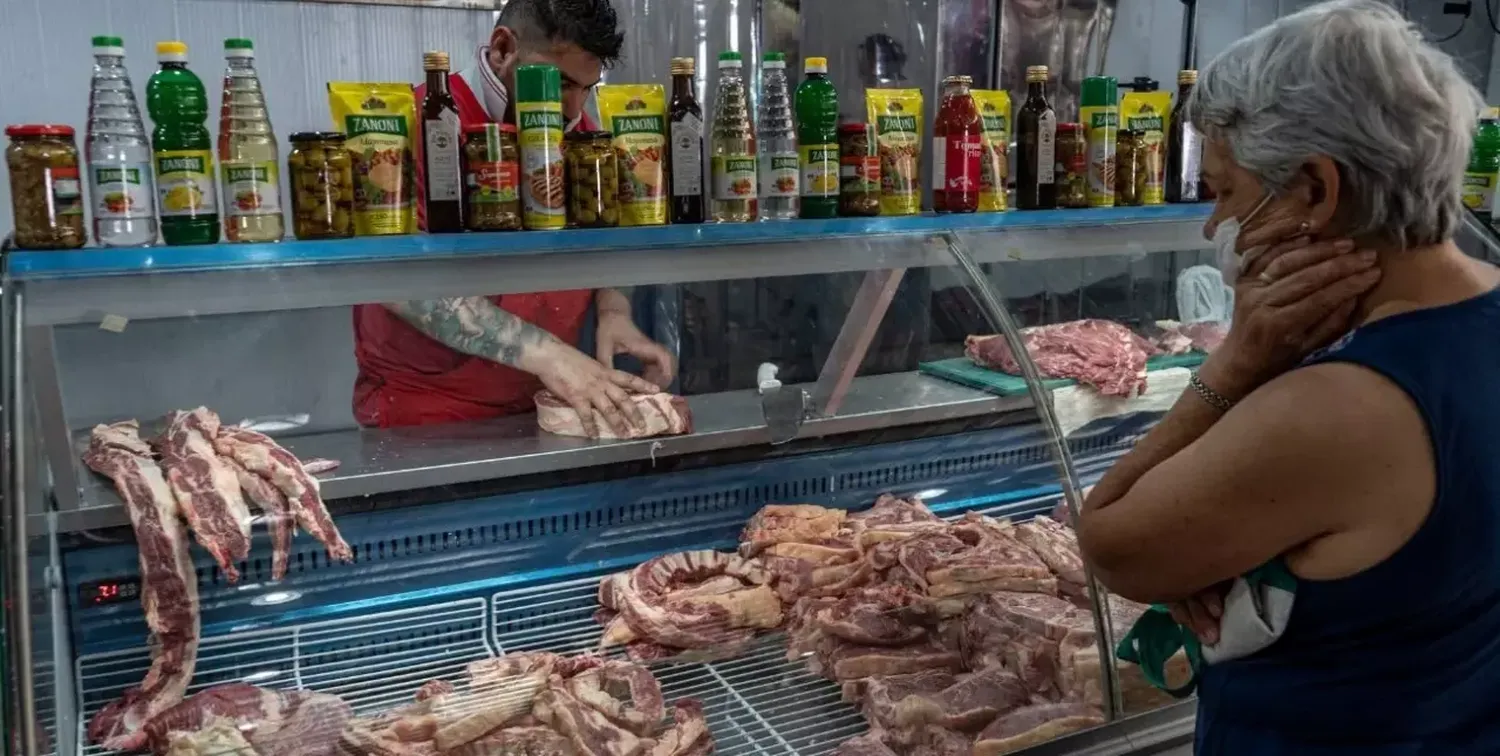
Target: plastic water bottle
732	149
248	156
780	165
121	187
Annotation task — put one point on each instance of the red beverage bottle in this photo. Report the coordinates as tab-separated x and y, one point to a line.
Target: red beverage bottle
956	149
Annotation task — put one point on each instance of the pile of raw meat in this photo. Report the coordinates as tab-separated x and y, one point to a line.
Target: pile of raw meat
966	637
663	414
536	704
1098	353
202	473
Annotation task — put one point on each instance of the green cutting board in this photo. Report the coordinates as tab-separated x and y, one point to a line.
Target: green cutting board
963	370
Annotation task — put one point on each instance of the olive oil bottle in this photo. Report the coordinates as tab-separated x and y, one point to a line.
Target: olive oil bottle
1036	138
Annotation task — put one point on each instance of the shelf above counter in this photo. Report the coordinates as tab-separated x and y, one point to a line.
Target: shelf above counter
85	286
406	459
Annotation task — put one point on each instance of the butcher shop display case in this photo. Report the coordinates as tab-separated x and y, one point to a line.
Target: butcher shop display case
842	528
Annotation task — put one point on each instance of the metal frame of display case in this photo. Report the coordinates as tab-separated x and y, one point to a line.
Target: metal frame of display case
111	287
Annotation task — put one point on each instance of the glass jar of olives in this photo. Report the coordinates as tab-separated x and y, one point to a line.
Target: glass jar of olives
322	178
44	190
492	172
593	180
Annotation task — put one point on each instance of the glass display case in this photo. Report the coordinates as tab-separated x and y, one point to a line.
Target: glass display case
865	370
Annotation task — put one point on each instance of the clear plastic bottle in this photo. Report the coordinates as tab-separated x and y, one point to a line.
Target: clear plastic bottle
733	147
121	186
780	165
249	160
182	150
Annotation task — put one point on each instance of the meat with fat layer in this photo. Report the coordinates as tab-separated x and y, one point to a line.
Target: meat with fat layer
591	733
790	523
206	489
517	741
277	511
627	694
686	601
879	697
464	717
1098	353
664	415
847	661
868	744
688	735
1057	546
1033	725
276	723
260	454
967	705
169	584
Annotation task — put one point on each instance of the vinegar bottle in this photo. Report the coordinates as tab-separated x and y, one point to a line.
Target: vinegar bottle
248	155
733	149
121	187
780	166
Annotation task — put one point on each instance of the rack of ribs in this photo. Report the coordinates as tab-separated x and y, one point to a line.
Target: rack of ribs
206	489
261	455
169	588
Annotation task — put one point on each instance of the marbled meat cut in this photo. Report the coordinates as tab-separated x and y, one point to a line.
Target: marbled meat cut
702	600
791	524
879	697
518	741
207	491
273	504
626	694
1098	353
591	733
276	723
846	661
261	455
868	744
688	735
1057	546
967	705
1031	725
169	584
664	414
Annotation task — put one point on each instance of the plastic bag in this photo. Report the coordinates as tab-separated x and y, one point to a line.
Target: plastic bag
1203	297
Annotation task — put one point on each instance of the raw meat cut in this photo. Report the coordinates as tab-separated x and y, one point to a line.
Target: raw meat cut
169	584
790	523
1181	338
664	415
883	615
318	465
1031	725
276	723
879	697
1057	546
461	718
591	732
937	741
687	601
207	491
1098	353
868	744
688	735
277	510
967	705
266	458
627	694
847	661
221	738
517	741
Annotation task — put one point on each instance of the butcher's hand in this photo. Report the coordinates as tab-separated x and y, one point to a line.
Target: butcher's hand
618	334
1294	298
587	385
1201	613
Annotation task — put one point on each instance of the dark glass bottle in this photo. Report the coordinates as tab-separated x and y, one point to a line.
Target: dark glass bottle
440	150
1184	148
1036	138
685	126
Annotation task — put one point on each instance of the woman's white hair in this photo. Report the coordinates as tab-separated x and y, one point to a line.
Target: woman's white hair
1354	81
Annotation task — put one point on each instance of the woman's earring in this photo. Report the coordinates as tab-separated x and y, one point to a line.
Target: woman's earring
1304	227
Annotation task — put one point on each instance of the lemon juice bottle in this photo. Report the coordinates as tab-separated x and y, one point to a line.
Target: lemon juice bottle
184	159
248	158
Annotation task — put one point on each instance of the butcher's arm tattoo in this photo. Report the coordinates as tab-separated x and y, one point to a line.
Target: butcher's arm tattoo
474	325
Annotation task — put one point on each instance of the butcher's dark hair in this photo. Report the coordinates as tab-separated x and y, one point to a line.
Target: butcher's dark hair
590	24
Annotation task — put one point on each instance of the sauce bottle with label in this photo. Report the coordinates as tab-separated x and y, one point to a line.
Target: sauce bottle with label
734	155
956	146
443	192
817	133
1184	147
249	161
1036	138
685	119
184	159
121	187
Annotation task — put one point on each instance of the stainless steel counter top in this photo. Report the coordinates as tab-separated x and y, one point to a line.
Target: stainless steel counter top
404	459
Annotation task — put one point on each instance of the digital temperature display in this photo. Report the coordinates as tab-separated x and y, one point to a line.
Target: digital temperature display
104	592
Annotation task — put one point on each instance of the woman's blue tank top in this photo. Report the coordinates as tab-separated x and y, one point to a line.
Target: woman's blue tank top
1403	658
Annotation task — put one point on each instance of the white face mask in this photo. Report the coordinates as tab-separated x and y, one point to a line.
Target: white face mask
1227	237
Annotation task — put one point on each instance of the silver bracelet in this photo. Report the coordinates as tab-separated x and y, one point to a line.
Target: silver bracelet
1215	399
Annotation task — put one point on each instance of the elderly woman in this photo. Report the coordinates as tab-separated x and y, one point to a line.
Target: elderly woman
1349	426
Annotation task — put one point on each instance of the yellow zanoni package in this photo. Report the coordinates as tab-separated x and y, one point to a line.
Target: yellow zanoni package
1147	112
377	123
897	117
994	163
637	114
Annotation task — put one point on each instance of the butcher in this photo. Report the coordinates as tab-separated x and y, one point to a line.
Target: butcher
473	358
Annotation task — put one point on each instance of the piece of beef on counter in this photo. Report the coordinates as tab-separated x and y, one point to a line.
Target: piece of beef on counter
868	744
1032	725
879	697
846	661
967	705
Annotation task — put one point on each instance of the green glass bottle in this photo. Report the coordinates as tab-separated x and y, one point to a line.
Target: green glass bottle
818	135
1484	167
184	158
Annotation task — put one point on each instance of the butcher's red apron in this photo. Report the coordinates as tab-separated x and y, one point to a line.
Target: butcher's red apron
407	378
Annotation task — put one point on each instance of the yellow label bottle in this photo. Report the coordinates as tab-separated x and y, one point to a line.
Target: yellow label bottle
539	119
1100	114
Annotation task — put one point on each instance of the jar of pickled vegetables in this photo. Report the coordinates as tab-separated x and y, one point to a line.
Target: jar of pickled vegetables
492	172
44	191
593	180
1072	166
322	179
